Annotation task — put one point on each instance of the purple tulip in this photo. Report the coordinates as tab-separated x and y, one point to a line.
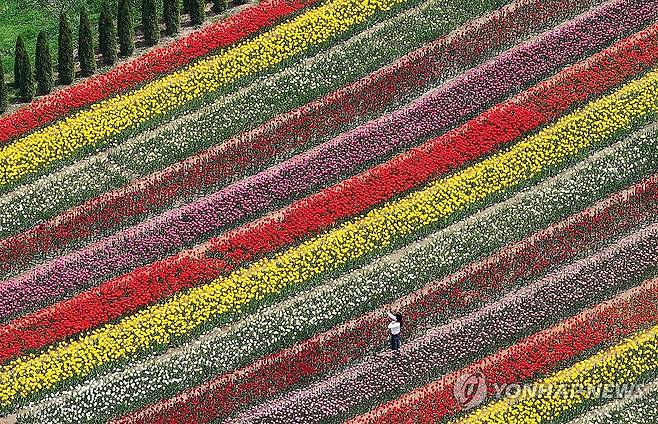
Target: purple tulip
442	109
443	349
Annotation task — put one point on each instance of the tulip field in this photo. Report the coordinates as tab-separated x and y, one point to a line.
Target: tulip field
215	231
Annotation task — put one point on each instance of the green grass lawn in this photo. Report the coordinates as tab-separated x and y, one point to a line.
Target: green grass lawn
21	17
17	17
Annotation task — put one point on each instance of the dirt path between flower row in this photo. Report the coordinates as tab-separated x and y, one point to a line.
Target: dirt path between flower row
396	255
146	179
11	419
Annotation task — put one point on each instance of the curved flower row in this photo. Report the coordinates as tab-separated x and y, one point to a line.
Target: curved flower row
530	358
621	364
383	281
94	127
343	155
441	349
269	376
499	125
381	229
633	408
276	138
148	66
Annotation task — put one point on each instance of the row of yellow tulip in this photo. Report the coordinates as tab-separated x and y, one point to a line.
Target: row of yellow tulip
381	228
94	126
609	373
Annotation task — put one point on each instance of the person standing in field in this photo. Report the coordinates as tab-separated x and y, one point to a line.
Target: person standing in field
394	328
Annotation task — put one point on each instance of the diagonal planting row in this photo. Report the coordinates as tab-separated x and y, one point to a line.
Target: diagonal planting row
382	281
530	358
500	323
244	109
561	394
94	127
194	310
439	110
148	66
285	133
323	353
500	125
632	408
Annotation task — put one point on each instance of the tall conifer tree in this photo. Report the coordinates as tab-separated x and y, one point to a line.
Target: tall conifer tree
197	11
44	65
20	55
65	64
86	51
218	6
171	13
107	35
150	22
125	27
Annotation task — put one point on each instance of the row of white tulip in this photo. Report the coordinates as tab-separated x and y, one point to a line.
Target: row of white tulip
225	116
636	406
382	281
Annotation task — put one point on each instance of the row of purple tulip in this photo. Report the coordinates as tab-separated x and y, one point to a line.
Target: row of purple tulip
443	349
346	154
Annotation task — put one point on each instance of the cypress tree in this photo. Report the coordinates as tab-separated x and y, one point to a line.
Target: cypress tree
125	28
44	65
171	14
197	11
65	64
4	98
20	56
150	22
186	6
107	36
86	52
218	6
27	87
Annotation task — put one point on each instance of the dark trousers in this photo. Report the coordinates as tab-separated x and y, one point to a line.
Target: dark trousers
395	341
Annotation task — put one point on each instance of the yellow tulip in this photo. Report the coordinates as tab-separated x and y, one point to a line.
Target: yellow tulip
93	127
587	380
186	312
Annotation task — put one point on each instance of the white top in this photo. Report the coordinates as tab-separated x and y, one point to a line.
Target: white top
395	325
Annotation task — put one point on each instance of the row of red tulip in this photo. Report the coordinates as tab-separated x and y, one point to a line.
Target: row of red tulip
156	62
500	125
478	283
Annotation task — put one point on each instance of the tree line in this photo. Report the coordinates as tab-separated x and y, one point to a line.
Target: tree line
114	40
